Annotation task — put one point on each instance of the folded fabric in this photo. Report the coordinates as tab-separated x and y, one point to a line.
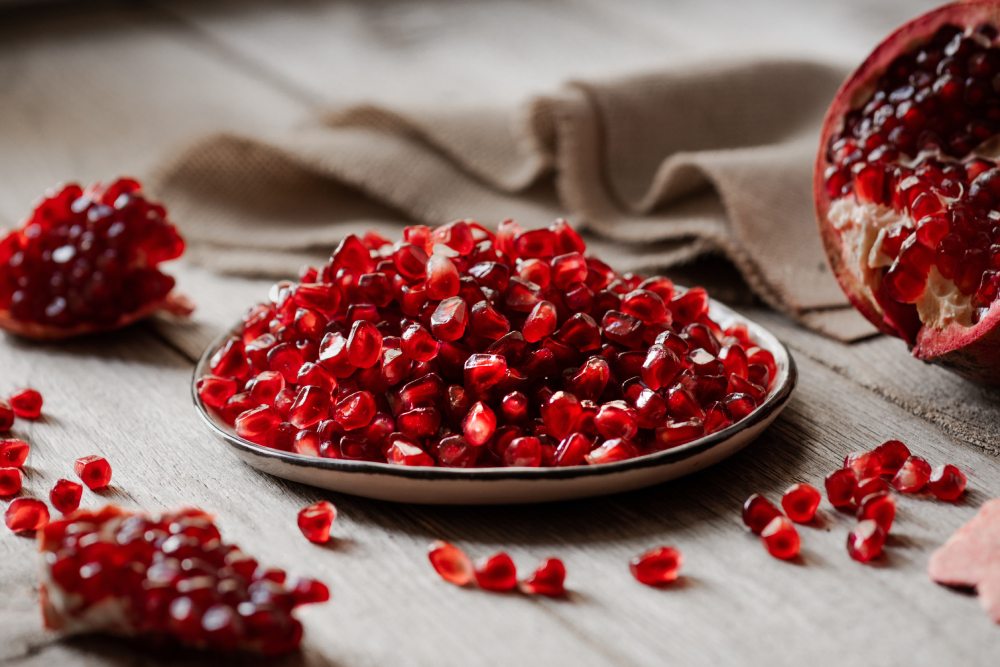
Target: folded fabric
655	169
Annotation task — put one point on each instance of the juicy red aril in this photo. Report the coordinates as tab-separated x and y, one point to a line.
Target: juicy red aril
541	322
674	434
286	359
866	487
800	502
450	563
616	419
230	361
496	573
13	453
547	579
657	567
946	482
758	512
355	411
864	464
86	260
26	403
841	486
892	454
780	538
485	321
689	306
660	367
312	405
215	391
879	507
612	451
514	408
561	412
449	319
26	514
866	540
482	371
254	424
479	424
6	416
315	521
95	471
572	450
11	480
364	345
65	496
912	476
405	453
523	452
418	343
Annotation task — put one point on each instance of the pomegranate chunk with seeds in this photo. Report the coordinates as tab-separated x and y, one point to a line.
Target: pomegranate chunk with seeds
912	475
13	453
506	349
26	403
758	512
780	538
866	540
657	567
315	521
11	480
800	502
26	515
450	563
95	471
946	482
496	572
86	261
65	496
167	575
548	579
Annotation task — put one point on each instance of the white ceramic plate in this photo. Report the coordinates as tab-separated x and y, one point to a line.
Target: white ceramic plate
498	486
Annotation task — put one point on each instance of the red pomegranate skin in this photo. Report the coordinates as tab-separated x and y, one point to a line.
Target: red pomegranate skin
971	351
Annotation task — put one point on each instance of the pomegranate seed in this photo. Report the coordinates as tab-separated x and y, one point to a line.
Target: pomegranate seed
6	416
405	452
523	452
456	452
689	306
514	408
657	567
572	450
496	573
230	361
312	405
482	371
418	343
541	322
892	454
364	345
26	514
95	471
315	521
450	563
864	464
561	412
734	358
449	319
355	411
419	423
26	403
674	434
215	391
866	540
740	405
800	502
866	487
880	507
65	496
612	451
758	512
644	305
479	424
912	475
254	424
780	538
660	367
616	419
841	485
547	579
11	480
13	453
286	359
946	482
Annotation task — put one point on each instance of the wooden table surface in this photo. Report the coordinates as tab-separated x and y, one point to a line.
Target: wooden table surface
91	90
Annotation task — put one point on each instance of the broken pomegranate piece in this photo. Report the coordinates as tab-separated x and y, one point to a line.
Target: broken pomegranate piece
515	349
907	187
166	575
86	260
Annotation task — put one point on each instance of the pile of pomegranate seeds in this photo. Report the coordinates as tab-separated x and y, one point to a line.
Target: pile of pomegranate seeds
860	486
315	521
910	149
456	347
495	573
86	260
167	575
657	567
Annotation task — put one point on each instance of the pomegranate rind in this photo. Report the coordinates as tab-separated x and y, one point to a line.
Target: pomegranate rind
971	352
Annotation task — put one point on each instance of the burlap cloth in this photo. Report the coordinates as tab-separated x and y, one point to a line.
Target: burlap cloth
657	169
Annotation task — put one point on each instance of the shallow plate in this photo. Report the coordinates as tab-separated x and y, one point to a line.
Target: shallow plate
494	486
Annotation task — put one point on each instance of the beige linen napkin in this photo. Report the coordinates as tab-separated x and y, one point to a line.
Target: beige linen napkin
656	169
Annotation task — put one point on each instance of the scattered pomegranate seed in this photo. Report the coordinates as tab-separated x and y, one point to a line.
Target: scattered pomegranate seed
880	507
892	454
11	480
26	403
95	471
867	487
547	579
65	496
13	453
315	521
864	464
912	476
657	567
841	486
866	540
6	416
800	502
758	512
946	482
780	538
26	514
496	573
450	563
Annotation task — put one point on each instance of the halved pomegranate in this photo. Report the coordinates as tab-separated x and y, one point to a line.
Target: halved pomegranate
86	261
907	187
166	576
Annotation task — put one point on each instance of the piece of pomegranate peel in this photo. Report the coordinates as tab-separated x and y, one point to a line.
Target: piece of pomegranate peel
121	573
87	261
905	188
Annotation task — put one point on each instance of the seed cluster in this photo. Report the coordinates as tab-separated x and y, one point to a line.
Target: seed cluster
909	147
497	572
458	347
